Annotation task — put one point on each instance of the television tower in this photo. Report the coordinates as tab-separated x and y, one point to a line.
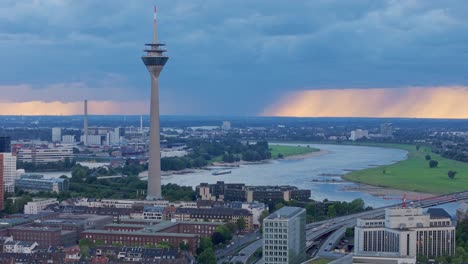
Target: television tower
154	61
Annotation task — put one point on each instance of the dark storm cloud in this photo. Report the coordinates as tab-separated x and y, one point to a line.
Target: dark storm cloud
233	57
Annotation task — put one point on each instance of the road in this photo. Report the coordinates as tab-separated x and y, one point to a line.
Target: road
237	243
248	251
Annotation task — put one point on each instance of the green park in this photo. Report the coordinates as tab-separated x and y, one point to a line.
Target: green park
289	150
422	171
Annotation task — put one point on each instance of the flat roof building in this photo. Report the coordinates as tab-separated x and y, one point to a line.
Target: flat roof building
284	240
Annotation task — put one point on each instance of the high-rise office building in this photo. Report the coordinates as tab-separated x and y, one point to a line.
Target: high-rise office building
386	130
56	134
284	240
9	172
154	59
404	233
5	145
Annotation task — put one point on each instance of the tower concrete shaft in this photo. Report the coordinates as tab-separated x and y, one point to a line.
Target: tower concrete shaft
154	61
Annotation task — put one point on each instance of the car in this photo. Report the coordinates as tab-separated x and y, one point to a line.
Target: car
242	253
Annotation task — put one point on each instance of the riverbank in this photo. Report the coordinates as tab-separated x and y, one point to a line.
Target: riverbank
414	173
386	192
285	151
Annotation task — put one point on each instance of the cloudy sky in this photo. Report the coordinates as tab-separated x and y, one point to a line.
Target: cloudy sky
243	57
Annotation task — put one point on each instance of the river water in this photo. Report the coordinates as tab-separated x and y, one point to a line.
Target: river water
308	173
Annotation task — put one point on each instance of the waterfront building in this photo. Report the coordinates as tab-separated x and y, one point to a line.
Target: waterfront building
9	172
221	191
56	134
284	238
358	134
45	154
37	183
405	233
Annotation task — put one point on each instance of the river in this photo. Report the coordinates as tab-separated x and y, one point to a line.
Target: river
302	172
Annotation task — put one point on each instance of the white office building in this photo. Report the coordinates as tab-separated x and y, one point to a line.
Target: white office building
9	172
38	205
45	155
405	233
358	134
284	238
56	134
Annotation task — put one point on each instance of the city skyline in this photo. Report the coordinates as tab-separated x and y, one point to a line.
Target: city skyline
280	52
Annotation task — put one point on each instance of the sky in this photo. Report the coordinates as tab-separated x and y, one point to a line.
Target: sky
398	58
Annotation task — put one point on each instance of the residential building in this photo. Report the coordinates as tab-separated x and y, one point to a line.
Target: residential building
406	233
38	205
153	212
358	134
44	236
9	172
45	154
37	183
56	134
22	247
284	238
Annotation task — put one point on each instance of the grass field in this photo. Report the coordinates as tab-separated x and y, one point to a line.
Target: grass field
414	174
320	261
290	150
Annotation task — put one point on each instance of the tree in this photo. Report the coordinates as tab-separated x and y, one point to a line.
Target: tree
280	155
217	238
331	211
227	234
205	243
433	163
349	232
241	223
418	147
428	157
278	206
451	174
207	256
184	246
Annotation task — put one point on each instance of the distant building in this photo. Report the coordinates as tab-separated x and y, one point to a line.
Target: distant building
256	209
37	183
93	140
462	212
44	236
9	172
358	134
226	125
405	233
221	191
2	184
56	134
5	145
153	212
284	238
21	247
386	130
214	215
37	206
45	155
68	139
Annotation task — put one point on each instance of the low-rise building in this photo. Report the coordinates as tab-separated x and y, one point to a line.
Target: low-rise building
215	215
38	205
358	134
45	154
37	183
44	236
22	247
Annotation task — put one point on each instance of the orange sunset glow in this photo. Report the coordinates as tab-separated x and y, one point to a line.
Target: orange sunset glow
413	102
72	108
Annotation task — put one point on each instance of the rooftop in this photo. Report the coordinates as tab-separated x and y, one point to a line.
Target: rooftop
138	233
438	213
286	212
